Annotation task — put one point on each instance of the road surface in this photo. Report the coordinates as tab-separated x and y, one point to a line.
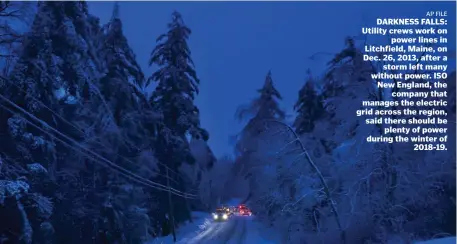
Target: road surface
237	230
234	230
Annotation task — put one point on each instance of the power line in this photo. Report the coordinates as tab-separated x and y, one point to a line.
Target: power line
69	123
122	171
82	132
108	163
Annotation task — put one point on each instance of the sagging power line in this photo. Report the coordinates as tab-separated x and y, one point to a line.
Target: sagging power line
106	163
82	132
99	159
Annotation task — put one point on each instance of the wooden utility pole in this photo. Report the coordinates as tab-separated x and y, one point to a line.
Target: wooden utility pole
171	216
189	212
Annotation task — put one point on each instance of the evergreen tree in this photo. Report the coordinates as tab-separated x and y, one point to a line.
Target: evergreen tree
177	86
348	83
202	154
266	105
309	107
262	108
115	113
120	59
57	61
177	82
249	143
123	79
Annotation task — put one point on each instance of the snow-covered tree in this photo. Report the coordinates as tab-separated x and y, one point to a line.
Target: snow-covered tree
204	160
377	183
176	87
14	15
56	62
120	59
202	153
348	84
266	106
213	184
309	107
268	157
121	127
58	58
177	81
119	94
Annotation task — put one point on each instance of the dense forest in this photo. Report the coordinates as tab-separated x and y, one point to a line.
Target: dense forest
87	156
317	180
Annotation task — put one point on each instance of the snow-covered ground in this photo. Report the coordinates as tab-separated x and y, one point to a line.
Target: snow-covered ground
237	230
201	222
447	240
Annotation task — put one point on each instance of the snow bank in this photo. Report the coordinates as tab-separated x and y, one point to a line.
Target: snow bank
201	220
258	233
447	240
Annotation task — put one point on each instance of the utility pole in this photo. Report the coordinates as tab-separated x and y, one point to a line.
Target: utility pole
210	200
170	203
189	212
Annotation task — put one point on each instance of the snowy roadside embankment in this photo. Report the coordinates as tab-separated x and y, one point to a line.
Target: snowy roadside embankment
446	240
258	233
201	221
202	227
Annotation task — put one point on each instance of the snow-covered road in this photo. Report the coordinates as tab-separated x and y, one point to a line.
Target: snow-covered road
232	231
236	230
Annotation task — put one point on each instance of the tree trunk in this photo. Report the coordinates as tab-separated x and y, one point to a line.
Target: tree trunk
189	212
171	217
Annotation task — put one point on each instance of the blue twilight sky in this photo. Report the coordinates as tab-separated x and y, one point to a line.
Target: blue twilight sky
234	44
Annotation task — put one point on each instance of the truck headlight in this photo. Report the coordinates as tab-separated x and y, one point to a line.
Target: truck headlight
224	216
215	216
